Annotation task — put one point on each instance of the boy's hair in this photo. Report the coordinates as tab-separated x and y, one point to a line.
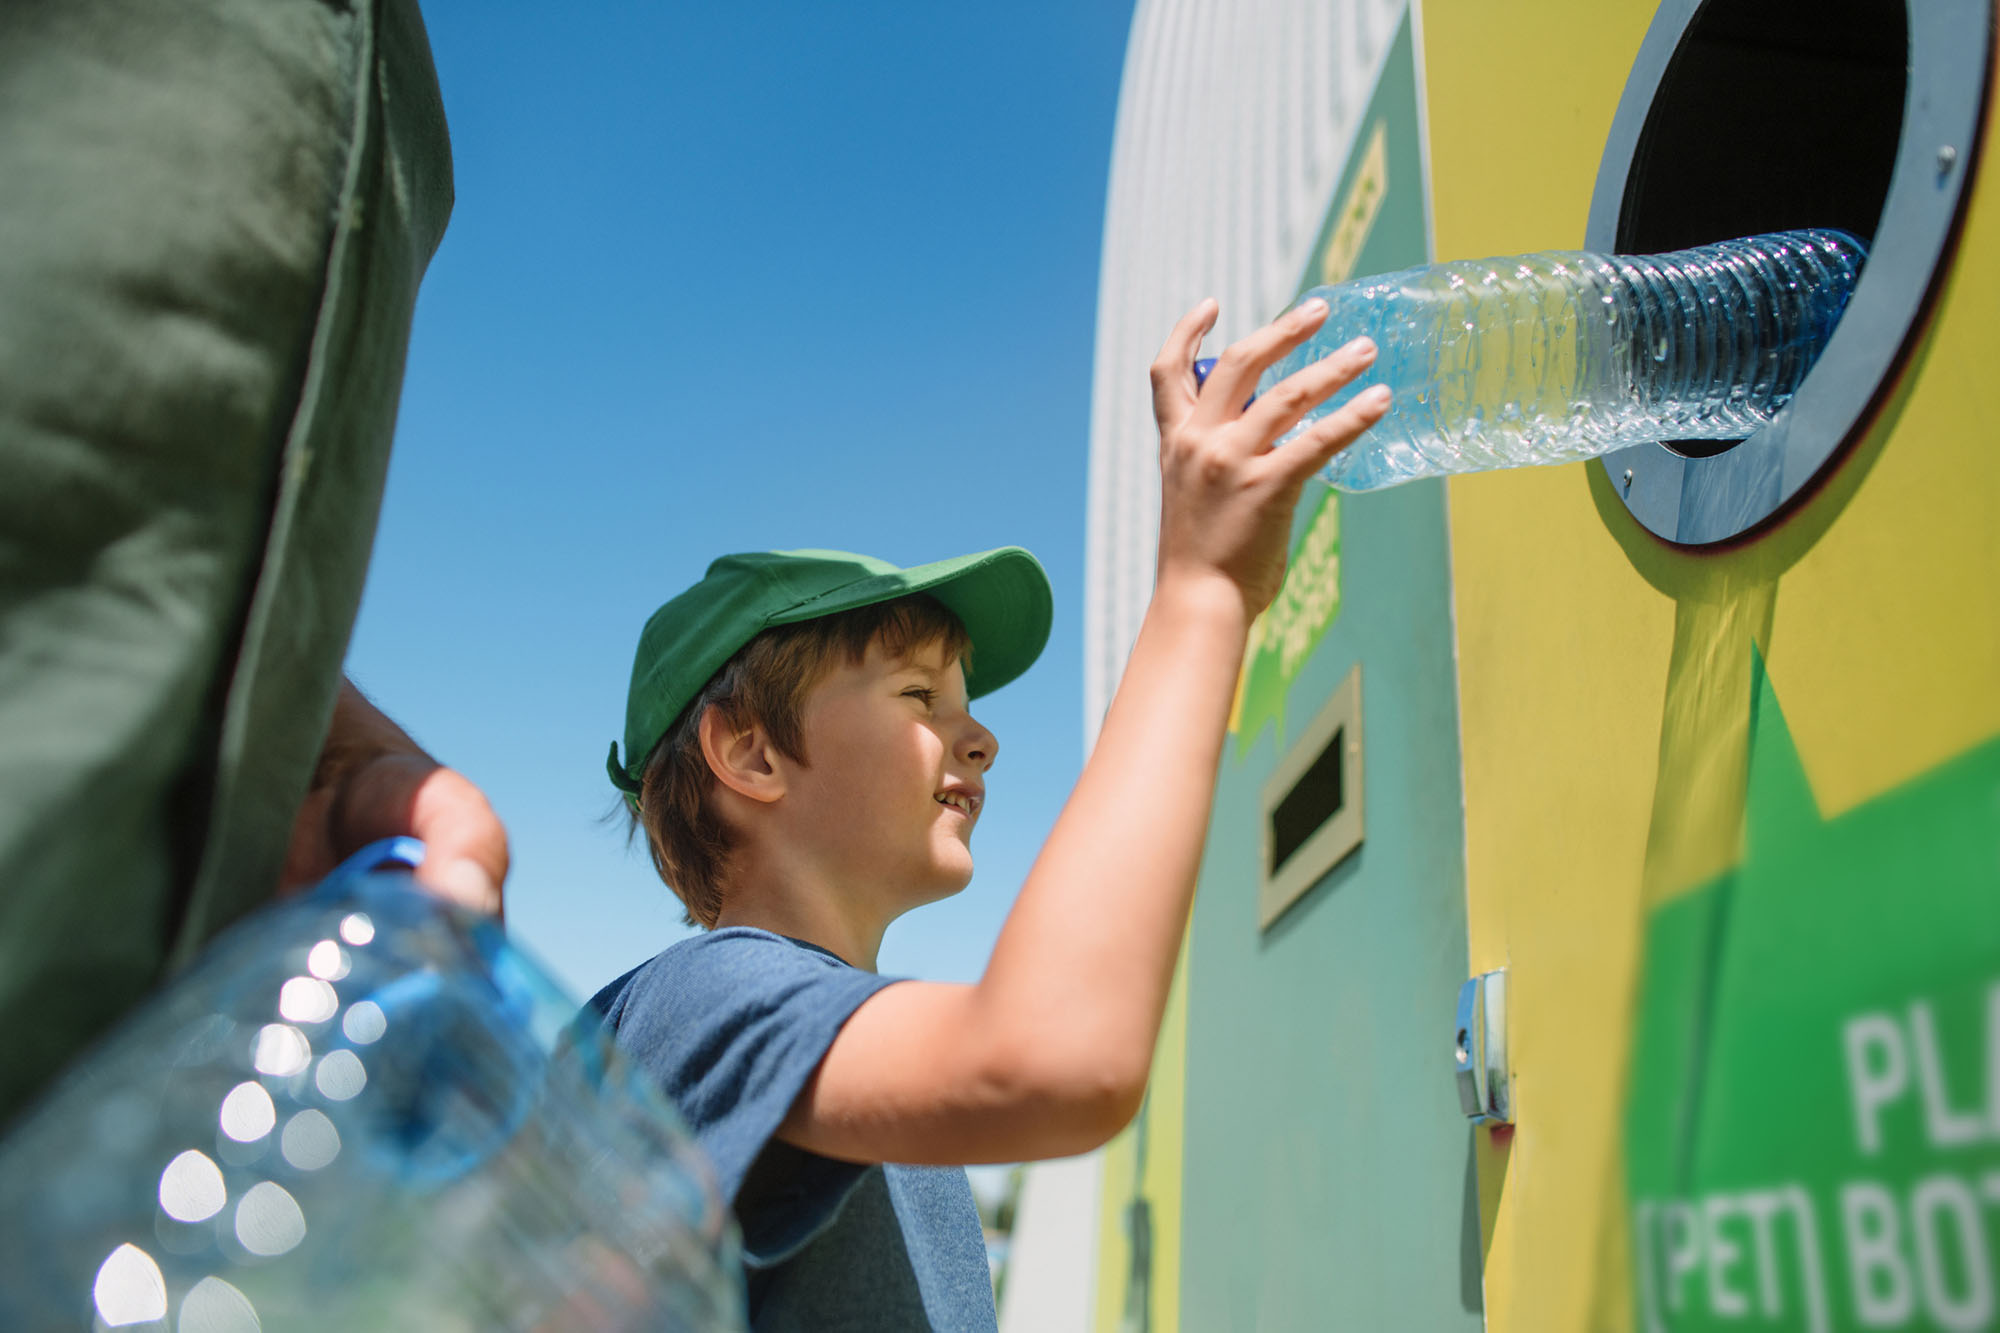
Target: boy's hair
765	683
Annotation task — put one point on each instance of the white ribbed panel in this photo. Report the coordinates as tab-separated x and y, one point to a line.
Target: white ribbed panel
1234	118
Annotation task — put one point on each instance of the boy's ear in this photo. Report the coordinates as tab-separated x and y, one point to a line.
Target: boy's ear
741	757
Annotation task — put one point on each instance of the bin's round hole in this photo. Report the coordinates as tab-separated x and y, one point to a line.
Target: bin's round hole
1701	448
1772	115
1751	116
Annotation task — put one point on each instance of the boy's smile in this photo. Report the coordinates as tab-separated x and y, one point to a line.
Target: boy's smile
893	780
965	799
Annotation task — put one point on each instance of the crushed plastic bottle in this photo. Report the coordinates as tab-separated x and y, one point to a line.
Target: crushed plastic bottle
1551	357
361	1109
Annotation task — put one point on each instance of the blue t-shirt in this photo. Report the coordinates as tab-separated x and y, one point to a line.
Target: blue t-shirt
732	1023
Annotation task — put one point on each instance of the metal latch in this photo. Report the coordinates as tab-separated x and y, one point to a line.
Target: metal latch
1481	1050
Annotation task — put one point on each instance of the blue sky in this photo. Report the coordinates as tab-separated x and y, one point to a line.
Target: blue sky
730	278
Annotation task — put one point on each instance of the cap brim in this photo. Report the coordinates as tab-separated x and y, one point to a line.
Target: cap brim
1002	597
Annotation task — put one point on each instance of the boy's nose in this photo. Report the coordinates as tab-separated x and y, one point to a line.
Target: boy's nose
977	745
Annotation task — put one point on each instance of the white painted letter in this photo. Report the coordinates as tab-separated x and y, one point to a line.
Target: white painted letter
1993	1060
1722	1252
1876	1084
1947	1128
1874	1247
1683	1248
1762	1206
1812	1273
1972	1308
1642	1230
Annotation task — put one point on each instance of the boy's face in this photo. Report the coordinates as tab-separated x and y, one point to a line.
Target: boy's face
895	777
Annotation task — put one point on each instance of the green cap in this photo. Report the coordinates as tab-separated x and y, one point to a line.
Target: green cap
1001	597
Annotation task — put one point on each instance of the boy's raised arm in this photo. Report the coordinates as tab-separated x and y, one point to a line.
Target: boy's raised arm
1049	1053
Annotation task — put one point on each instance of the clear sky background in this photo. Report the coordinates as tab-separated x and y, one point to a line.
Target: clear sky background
721	278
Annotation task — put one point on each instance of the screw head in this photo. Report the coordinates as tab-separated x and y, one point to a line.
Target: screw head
1947	157
1628	478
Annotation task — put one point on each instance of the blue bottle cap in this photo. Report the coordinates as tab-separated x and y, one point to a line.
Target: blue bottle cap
404	853
1204	368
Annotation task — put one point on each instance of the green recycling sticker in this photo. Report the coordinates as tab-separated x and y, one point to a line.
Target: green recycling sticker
1813	1131
1291	627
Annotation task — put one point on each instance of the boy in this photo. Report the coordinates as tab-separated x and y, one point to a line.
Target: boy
799	749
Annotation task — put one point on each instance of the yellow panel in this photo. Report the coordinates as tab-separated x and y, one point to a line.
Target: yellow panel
1886	646
1560	732
1164	1118
1520	97
1604	678
1562	654
1114	1249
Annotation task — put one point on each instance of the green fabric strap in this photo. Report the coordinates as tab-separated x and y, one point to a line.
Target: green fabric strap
620	779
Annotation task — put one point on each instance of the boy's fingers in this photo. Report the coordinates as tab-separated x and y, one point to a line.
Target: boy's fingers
1315	446
1236	370
1174	386
1281	407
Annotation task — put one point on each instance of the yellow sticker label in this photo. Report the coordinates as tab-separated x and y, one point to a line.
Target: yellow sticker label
1359	209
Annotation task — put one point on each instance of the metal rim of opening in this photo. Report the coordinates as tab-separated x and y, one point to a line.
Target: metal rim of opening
1700	501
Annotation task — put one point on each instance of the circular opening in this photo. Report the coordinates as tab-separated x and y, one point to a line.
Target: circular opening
1746	116
1771	115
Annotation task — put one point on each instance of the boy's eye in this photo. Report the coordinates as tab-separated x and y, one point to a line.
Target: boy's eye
927	695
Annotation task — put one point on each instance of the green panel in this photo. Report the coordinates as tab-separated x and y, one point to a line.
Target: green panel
1814	1128
1328	1181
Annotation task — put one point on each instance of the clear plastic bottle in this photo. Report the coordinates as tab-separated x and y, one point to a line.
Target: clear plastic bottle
361	1109
1562	355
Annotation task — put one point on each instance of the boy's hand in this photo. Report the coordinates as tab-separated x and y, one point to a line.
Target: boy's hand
1226	496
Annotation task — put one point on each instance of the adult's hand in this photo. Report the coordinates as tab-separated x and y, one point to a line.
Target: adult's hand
374	782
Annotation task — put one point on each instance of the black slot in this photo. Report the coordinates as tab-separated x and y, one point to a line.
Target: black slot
1315	798
1774	114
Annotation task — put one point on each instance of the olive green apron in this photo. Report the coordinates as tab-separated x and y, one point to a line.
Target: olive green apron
214	215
